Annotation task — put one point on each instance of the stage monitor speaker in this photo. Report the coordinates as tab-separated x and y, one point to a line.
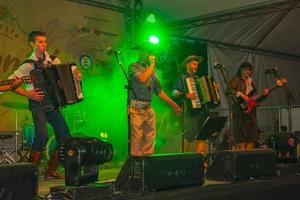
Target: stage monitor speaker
162	171
233	165
18	181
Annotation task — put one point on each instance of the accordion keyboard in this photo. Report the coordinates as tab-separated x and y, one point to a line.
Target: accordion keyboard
192	88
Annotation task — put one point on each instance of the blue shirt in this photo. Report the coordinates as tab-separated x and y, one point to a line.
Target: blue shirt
143	91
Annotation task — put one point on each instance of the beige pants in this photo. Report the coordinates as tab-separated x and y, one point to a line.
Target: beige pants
143	132
199	146
245	146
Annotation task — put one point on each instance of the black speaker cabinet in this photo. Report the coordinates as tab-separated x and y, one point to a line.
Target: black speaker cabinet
162	171
233	165
18	181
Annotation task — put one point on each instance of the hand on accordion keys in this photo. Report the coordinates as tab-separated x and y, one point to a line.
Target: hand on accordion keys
78	75
218	86
190	95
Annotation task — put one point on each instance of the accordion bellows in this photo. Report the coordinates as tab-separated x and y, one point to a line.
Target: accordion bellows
59	85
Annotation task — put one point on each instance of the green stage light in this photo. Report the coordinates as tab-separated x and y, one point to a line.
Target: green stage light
150	18
153	39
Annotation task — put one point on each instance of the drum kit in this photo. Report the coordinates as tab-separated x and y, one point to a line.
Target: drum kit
15	145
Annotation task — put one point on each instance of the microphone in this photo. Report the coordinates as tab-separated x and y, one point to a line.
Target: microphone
271	70
158	61
110	51
219	66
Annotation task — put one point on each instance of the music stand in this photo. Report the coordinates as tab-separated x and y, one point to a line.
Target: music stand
212	125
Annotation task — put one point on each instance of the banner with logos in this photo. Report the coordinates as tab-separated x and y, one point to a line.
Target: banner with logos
75	33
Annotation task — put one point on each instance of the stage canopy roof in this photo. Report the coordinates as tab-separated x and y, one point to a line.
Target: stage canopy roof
270	26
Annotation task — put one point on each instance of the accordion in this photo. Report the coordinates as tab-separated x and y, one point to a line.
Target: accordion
205	91
59	85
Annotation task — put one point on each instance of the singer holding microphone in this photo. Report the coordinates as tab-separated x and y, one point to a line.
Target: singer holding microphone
144	83
245	130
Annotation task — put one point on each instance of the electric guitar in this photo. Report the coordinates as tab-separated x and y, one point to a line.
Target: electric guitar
24	79
247	107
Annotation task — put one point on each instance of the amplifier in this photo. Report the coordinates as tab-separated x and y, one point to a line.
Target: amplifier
233	165
163	171
18	181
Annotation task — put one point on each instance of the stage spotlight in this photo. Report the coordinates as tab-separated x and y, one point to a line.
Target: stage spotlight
150	18
153	39
104	136
82	157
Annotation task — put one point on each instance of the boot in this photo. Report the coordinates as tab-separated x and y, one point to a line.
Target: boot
35	157
50	172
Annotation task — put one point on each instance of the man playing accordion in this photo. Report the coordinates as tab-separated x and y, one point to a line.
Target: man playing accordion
40	58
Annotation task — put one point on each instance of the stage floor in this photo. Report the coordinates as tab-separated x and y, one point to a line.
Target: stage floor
283	186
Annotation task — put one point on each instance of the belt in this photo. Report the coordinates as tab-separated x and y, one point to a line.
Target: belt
137	104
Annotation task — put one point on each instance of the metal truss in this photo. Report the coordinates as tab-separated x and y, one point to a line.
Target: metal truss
124	6
269	7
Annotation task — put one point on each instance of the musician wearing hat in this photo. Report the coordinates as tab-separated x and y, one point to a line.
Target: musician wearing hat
245	128
193	118
144	83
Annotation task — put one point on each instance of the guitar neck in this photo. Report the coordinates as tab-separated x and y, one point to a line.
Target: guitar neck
261	95
6	82
24	79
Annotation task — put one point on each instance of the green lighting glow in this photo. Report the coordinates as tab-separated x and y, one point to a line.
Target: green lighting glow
150	19
153	39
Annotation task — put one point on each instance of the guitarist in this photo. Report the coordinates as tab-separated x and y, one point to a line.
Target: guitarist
245	125
11	86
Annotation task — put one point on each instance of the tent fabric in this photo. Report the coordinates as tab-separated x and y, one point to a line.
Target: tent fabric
277	31
172	10
232	59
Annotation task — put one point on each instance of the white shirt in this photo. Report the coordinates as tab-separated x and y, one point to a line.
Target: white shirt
26	68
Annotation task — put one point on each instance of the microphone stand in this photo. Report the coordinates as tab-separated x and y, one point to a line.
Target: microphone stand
128	87
289	98
125	173
231	100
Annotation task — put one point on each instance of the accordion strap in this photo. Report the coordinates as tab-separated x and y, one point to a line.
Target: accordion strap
36	63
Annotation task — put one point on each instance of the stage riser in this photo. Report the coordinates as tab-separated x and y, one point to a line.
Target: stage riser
93	191
159	172
242	165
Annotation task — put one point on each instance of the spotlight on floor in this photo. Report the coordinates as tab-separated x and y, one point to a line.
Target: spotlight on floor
82	157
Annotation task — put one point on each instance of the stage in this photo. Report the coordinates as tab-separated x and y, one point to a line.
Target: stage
284	185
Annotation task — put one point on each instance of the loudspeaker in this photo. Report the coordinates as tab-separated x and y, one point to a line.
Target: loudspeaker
162	171
18	181
233	165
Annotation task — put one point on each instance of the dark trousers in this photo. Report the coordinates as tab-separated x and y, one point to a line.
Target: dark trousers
40	119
